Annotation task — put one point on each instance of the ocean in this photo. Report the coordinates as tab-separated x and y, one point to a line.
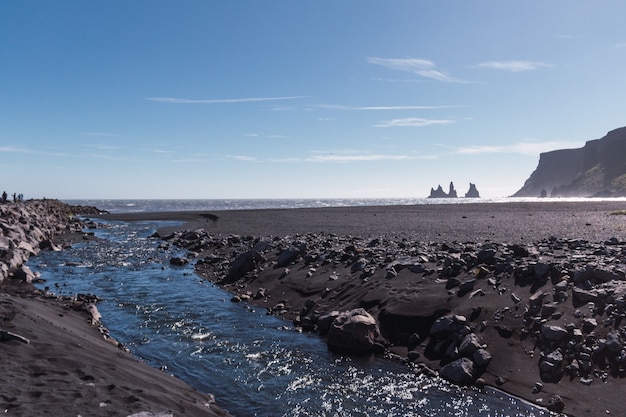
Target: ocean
155	205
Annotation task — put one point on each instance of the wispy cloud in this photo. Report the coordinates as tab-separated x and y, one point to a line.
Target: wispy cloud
384	108
513	66
175	100
101	134
244	158
264	135
349	156
102	147
422	67
414	122
524	148
14	149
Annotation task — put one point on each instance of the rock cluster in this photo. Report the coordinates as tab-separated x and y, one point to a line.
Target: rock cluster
439	193
562	300
28	227
472	192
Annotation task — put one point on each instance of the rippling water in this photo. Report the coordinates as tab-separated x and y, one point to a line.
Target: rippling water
255	364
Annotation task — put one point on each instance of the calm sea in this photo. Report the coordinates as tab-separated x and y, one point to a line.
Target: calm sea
125	206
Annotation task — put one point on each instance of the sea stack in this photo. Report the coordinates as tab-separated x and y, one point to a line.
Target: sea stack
439	193
472	192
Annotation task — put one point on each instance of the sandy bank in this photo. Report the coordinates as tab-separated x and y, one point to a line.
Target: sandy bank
57	360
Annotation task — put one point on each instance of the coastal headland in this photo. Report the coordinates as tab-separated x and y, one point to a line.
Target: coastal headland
525	297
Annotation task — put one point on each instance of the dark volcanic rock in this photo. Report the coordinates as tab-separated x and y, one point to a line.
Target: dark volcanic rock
461	371
354	331
472	192
439	193
597	169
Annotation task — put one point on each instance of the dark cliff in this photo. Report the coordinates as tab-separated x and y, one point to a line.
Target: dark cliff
598	169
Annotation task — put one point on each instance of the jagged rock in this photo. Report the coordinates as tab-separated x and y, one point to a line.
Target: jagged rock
243	264
469	345
554	333
354	331
288	256
472	192
487	252
325	321
589	324
481	358
460	371
439	193
597	275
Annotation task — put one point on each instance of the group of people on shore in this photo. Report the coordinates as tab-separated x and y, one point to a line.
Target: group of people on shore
16	197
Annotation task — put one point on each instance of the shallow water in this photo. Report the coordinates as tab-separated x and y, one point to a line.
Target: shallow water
255	364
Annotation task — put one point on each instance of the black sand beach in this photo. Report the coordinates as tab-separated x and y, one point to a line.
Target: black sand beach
497	222
512	298
538	286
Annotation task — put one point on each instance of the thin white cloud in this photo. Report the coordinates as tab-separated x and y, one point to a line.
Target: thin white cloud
384	108
102	147
175	100
264	135
244	158
523	148
101	134
14	149
350	156
414	122
422	67
513	66
356	158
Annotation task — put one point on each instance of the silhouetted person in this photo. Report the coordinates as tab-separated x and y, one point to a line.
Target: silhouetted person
4	196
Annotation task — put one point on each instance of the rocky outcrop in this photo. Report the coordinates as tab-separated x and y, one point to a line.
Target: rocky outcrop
472	192
596	170
28	227
551	309
439	193
354	331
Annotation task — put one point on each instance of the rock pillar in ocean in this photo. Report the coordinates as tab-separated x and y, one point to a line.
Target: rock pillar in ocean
472	192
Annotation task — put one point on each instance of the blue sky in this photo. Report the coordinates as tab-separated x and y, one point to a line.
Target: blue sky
300	99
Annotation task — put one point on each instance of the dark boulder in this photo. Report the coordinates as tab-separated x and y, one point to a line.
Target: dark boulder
354	331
